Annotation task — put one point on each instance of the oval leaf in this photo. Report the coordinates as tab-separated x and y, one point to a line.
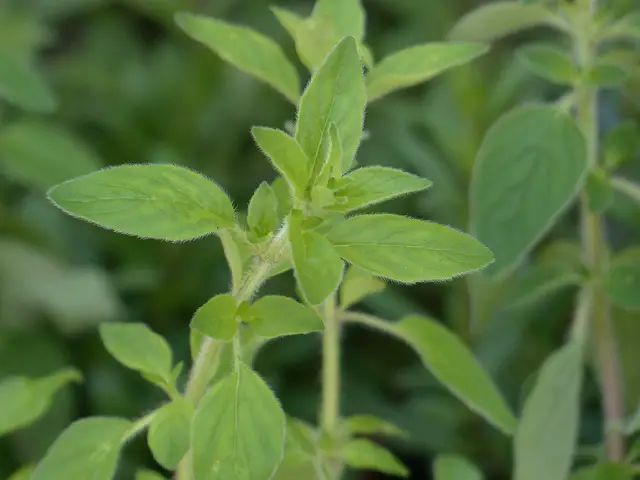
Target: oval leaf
366	455
407	250
217	318
530	166
169	433
276	316
164	202
451	362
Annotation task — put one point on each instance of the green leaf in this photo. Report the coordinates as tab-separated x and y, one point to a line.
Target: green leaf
40	154
528	170
451	362
454	467
263	211
317	266
237	251
286	156
217	318
546	437
370	185
148	475
621	143
418	64
358	284
407	250
169	433
372	425
628	27
498	19
336	94
605	471
366	455
164	202
241	421
23	474
549	62
22	85
288	19
538	282
606	75
246	49
276	316
137	347
347	16
89	448
25	400
622	281
626	187
600	194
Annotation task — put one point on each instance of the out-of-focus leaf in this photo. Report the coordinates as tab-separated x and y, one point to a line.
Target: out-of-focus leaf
621	144
605	471
538	282
454	467
599	191
549	62
365	455
22	85
622	282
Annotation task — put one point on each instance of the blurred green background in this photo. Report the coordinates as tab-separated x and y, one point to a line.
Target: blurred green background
131	88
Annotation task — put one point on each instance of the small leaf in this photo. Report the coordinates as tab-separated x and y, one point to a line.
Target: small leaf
607	75
528	170
621	144
599	191
365	455
286	157
22	85
499	19
537	283
217	318
317	266
546	437
407	250
605	471
549	62
246	49
137	347
40	154
169	433
241	421
263	211
371	185
372	425
276	316
164	202
288	19
336	94
88	448
454	467
418	64
622	281
451	362
358	284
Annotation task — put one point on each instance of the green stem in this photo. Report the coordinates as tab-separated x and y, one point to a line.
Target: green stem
330	413
370	321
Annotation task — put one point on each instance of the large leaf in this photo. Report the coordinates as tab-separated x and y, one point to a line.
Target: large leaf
275	316
546	437
418	64
451	362
336	94
407	250
169	433
241	421
247	50
454	467
530	167
22	85
155	201
366	455
89	448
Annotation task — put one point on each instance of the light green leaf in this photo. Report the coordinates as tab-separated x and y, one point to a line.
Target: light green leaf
628	27
286	156
246	49
455	467
451	362
498	19
622	281
358	284
607	75
605	471
237	251
39	154
549	62
529	168
370	185
241	421
137	347
336	94
89	448
22	85
600	194
372	425
148	475
288	19
626	187
276	316
217	318
23	474
317	266
25	400
365	455
169	433
407	250
538	282
621	144
546	437
263	211
347	16
418	64
164	202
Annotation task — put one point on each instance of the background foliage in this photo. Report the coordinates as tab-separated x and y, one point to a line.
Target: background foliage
123	85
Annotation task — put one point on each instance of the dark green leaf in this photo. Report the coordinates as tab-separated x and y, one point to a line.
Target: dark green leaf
22	85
